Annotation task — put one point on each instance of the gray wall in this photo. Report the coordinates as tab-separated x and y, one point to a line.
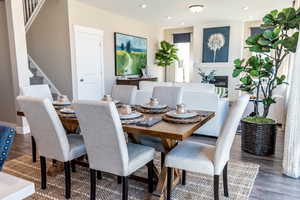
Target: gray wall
48	44
7	102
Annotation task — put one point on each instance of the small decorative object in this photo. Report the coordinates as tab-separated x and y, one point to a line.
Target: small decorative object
216	44
185	115
180	109
125	110
130	54
174	120
153	102
259	76
6	139
166	55
207	78
144	73
149	110
107	97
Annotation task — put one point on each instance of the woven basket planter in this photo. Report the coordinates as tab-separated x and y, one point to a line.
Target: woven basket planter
258	139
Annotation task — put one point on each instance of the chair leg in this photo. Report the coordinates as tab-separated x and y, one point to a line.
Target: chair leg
43	172
169	183
162	157
99	175
225	181
33	146
150	176
93	184
119	179
216	187
125	188
67	179
183	181
73	166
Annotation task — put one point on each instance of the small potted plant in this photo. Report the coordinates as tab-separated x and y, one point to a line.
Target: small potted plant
259	76
207	78
166	55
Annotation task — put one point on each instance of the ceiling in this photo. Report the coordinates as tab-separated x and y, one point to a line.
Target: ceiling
157	11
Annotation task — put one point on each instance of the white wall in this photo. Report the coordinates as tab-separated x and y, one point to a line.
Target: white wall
89	16
7	100
235	51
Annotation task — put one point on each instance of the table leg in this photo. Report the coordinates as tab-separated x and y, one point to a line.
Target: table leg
159	193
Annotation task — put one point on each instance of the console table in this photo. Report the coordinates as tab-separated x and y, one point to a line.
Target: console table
134	81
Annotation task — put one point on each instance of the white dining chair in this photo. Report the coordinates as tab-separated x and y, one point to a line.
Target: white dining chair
106	144
124	93
51	138
207	159
39	91
170	96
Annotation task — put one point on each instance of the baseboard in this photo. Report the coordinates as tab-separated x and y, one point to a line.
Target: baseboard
23	130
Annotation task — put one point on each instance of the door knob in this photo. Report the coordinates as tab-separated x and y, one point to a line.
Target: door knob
81	80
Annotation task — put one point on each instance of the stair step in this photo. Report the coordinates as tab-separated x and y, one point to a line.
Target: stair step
36	80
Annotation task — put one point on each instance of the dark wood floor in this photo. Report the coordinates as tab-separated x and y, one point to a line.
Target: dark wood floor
270	184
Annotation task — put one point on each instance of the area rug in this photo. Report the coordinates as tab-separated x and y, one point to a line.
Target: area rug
241	177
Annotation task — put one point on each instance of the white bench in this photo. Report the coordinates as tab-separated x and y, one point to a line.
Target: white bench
14	188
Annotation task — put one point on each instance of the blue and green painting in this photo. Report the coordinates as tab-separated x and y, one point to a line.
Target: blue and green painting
131	54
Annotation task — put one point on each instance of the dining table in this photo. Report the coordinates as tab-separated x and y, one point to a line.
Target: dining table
169	134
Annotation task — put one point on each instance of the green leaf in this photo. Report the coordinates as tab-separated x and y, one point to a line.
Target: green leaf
268	101
291	43
236	72
263	42
268	34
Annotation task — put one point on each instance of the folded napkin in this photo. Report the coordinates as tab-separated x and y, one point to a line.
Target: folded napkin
148	122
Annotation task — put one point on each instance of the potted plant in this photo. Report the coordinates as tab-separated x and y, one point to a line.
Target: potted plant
259	76
207	78
166	55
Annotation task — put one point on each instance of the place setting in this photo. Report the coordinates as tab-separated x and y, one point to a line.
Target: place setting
182	116
153	107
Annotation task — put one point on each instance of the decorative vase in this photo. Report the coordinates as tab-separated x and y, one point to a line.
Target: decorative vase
258	139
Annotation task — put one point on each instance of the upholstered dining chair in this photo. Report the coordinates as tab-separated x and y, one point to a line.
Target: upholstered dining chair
124	93
106	144
207	159
167	95
51	138
7	135
39	91
170	96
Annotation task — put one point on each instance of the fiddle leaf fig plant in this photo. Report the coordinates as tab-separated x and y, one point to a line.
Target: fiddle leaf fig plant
259	73
166	55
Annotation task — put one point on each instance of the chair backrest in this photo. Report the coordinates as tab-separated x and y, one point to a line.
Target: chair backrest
228	133
6	139
40	91
124	93
149	85
103	136
46	127
170	96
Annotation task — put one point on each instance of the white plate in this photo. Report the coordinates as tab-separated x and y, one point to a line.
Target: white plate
58	103
156	107
181	116
67	111
116	101
130	116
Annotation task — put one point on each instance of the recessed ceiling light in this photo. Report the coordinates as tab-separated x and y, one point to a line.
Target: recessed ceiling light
246	8
169	17
196	8
143	5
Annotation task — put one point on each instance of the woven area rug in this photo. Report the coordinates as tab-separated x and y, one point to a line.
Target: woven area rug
241	177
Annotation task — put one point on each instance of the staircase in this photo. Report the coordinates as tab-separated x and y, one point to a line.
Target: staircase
31	10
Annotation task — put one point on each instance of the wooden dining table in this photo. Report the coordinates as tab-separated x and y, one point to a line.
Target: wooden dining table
169	133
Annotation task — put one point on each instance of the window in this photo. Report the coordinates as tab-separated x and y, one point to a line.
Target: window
183	44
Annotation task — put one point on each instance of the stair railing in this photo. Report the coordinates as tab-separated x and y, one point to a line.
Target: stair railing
31	9
33	64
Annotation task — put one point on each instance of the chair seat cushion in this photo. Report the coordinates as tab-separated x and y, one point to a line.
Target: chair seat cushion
192	156
77	147
153	142
139	155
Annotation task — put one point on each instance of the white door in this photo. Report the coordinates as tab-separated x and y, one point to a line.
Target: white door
89	63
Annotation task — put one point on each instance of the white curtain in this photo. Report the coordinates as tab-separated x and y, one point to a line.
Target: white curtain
291	156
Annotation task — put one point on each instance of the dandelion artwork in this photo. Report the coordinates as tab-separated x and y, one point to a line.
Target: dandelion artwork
216	44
